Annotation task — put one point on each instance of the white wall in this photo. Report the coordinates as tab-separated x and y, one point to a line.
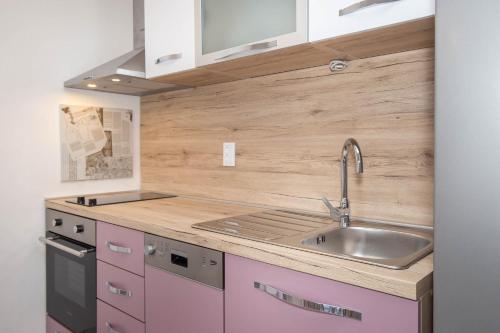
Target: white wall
43	43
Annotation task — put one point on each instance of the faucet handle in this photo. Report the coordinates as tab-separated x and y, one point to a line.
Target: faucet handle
335	213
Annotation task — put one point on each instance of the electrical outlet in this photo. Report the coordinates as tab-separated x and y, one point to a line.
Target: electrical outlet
229	154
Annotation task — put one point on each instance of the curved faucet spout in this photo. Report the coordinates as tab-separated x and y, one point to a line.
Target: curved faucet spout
352	143
344	201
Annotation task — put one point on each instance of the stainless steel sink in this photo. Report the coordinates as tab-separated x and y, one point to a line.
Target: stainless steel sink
383	247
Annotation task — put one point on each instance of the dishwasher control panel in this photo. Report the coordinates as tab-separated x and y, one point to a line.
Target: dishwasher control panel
191	261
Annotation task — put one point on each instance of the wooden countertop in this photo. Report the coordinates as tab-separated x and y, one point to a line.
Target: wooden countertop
173	217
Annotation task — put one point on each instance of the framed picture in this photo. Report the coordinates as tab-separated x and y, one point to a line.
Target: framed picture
96	143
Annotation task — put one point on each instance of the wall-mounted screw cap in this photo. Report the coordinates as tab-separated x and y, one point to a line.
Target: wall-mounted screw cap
337	65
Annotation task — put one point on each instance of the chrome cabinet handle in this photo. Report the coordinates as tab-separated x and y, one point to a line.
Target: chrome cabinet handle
118	249
308	305
110	328
168	57
51	241
252	47
117	291
362	4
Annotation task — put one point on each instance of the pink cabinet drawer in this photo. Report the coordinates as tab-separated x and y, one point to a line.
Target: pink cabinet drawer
179	305
120	247
121	289
52	326
257	286
110	319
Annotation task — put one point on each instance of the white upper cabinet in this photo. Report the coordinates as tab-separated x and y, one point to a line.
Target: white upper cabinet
332	18
169	29
229	29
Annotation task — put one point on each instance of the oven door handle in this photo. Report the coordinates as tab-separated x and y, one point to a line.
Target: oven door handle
51	241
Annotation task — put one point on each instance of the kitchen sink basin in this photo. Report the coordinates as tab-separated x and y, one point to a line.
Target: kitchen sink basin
381	247
380	244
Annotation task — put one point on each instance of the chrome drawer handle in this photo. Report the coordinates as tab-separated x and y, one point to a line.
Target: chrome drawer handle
252	47
168	57
51	241
362	4
118	249
117	291
110	328
308	305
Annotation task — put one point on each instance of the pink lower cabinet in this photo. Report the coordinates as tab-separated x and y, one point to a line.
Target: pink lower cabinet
268	299
110	319
121	247
52	326
121	289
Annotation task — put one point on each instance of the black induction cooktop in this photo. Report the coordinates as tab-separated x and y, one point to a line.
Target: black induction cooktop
100	200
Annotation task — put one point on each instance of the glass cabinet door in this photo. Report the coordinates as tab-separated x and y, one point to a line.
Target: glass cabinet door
228	29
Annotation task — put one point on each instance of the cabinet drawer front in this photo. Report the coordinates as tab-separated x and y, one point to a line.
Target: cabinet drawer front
326	21
121	289
380	313
52	326
110	319
181	304
121	247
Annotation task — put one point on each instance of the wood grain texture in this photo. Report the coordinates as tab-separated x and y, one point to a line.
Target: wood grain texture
405	36
174	217
195	78
411	35
289	129
278	61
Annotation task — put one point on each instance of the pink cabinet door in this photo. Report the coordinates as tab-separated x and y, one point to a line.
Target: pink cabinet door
120	247
52	326
110	319
177	305
252	305
121	289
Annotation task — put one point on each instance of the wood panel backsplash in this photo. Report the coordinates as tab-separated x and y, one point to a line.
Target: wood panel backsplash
289	129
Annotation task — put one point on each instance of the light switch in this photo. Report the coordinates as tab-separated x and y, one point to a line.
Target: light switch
229	154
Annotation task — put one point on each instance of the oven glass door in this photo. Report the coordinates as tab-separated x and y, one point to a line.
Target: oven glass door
71	285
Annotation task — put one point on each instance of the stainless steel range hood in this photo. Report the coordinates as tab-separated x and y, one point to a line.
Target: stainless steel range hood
127	73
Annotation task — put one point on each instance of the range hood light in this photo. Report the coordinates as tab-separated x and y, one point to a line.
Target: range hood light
125	74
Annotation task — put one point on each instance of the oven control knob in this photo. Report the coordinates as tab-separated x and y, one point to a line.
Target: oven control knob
149	250
78	229
57	222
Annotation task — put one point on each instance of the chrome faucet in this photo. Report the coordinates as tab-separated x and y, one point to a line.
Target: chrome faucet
342	213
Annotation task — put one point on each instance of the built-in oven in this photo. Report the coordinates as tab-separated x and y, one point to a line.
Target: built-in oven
71	271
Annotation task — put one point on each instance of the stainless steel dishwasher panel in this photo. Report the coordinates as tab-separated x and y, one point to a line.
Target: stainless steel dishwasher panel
191	261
